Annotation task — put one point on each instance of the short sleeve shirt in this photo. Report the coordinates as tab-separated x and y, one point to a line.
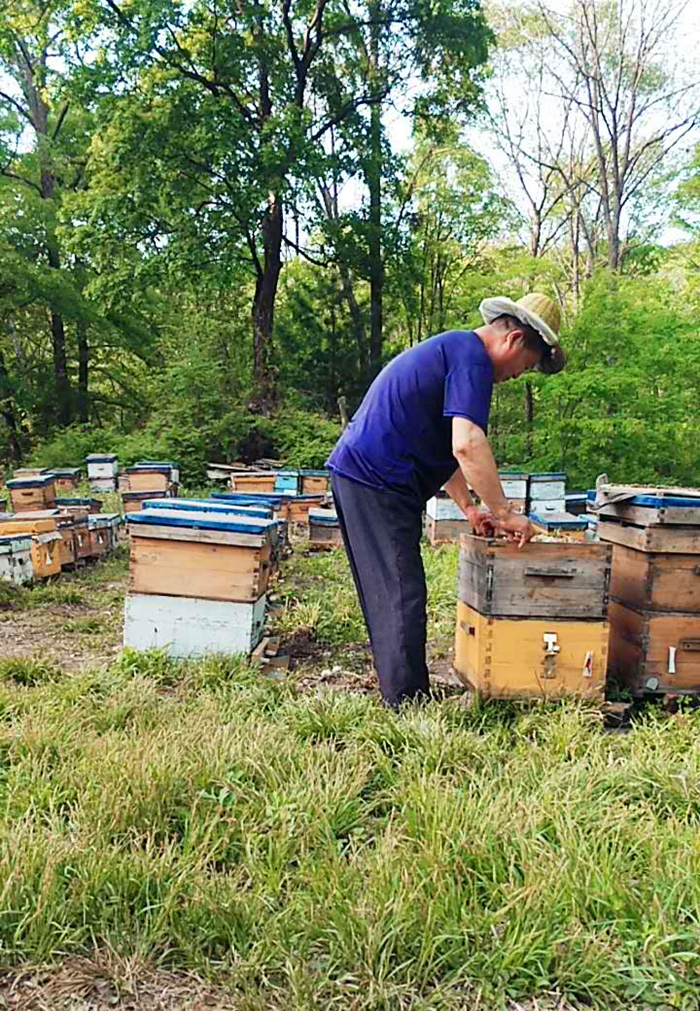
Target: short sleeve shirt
400	439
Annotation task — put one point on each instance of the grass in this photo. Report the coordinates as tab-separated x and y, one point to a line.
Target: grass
315	851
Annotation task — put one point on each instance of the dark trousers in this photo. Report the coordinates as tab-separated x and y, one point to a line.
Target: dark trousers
382	535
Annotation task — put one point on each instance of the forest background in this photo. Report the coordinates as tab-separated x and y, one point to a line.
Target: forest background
219	216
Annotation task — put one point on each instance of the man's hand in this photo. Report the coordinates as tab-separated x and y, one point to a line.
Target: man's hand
483	524
516	527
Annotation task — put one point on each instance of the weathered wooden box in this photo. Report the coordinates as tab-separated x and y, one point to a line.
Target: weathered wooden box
133	500
100	533
16	558
514	484
202	555
192	627
324	528
45	549
550	580
656	581
79	506
67	479
65	526
32	493
530	658
287	482
298	507
84	548
149	479
314	482
655	652
573	527
445	531
253	481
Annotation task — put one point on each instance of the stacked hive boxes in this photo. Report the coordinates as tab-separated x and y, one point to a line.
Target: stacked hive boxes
198	581
444	520
655	587
64	526
34	492
314	482
67	479
515	488
253	481
287	482
45	542
547	493
148	480
102	469
532	622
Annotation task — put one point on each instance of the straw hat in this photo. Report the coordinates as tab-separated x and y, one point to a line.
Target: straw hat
537	311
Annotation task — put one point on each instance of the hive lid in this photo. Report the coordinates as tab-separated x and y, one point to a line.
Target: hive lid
40	481
266	498
99	521
207	506
150	468
21	541
555	475
200	521
559	521
324	516
87	502
33	526
315	473
66	471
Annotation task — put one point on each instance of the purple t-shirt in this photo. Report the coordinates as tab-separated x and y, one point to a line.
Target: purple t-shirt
400	439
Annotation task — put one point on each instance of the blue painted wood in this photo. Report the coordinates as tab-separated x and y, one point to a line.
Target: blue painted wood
200	521
207	506
87	502
101	457
243	498
324	517
660	501
560	521
287	480
158	468
314	473
40	481
555	475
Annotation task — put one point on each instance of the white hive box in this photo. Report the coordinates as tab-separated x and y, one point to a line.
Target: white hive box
190	626
514	484
442	507
548	493
16	559
102	465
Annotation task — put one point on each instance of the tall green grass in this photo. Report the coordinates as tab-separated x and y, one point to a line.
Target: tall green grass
322	852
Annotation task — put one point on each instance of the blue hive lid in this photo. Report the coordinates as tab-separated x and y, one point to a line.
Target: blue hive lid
77	502
555	475
65	471
560	521
40	481
228	523
315	473
101	457
206	506
99	520
248	498
159	468
325	517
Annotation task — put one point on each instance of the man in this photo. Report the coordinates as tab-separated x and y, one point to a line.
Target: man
422	426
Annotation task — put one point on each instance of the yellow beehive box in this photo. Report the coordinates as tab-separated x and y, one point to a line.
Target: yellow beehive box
65	524
46	540
32	493
530	657
253	482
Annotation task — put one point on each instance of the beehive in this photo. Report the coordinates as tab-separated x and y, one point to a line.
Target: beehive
191	627
65	526
45	549
67	479
149	478
314	482
287	482
444	520
655	586
133	500
324	528
16	558
32	493
532	621
201	555
79	506
253	482
102	466
100	532
547	493
280	504
573	527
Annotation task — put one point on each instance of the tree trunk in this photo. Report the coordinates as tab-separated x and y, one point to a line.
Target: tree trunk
8	413
529	418
83	399
374	185
264	306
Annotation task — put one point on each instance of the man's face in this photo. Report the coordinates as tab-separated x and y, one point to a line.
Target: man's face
512	358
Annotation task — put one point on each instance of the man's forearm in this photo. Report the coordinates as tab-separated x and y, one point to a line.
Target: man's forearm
458	490
473	453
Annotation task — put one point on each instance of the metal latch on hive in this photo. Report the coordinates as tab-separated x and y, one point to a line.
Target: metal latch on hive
551	651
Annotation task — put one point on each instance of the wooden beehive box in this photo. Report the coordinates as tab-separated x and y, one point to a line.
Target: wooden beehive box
79	506
530	657
288	482
655	652
99	527
84	548
16	558
278	503
133	500
314	482
324	528
203	555
32	493
66	528
67	479
102	466
573	527
253	482
153	478
551	580
532	621
514	484
46	539
298	507
445	531
192	627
